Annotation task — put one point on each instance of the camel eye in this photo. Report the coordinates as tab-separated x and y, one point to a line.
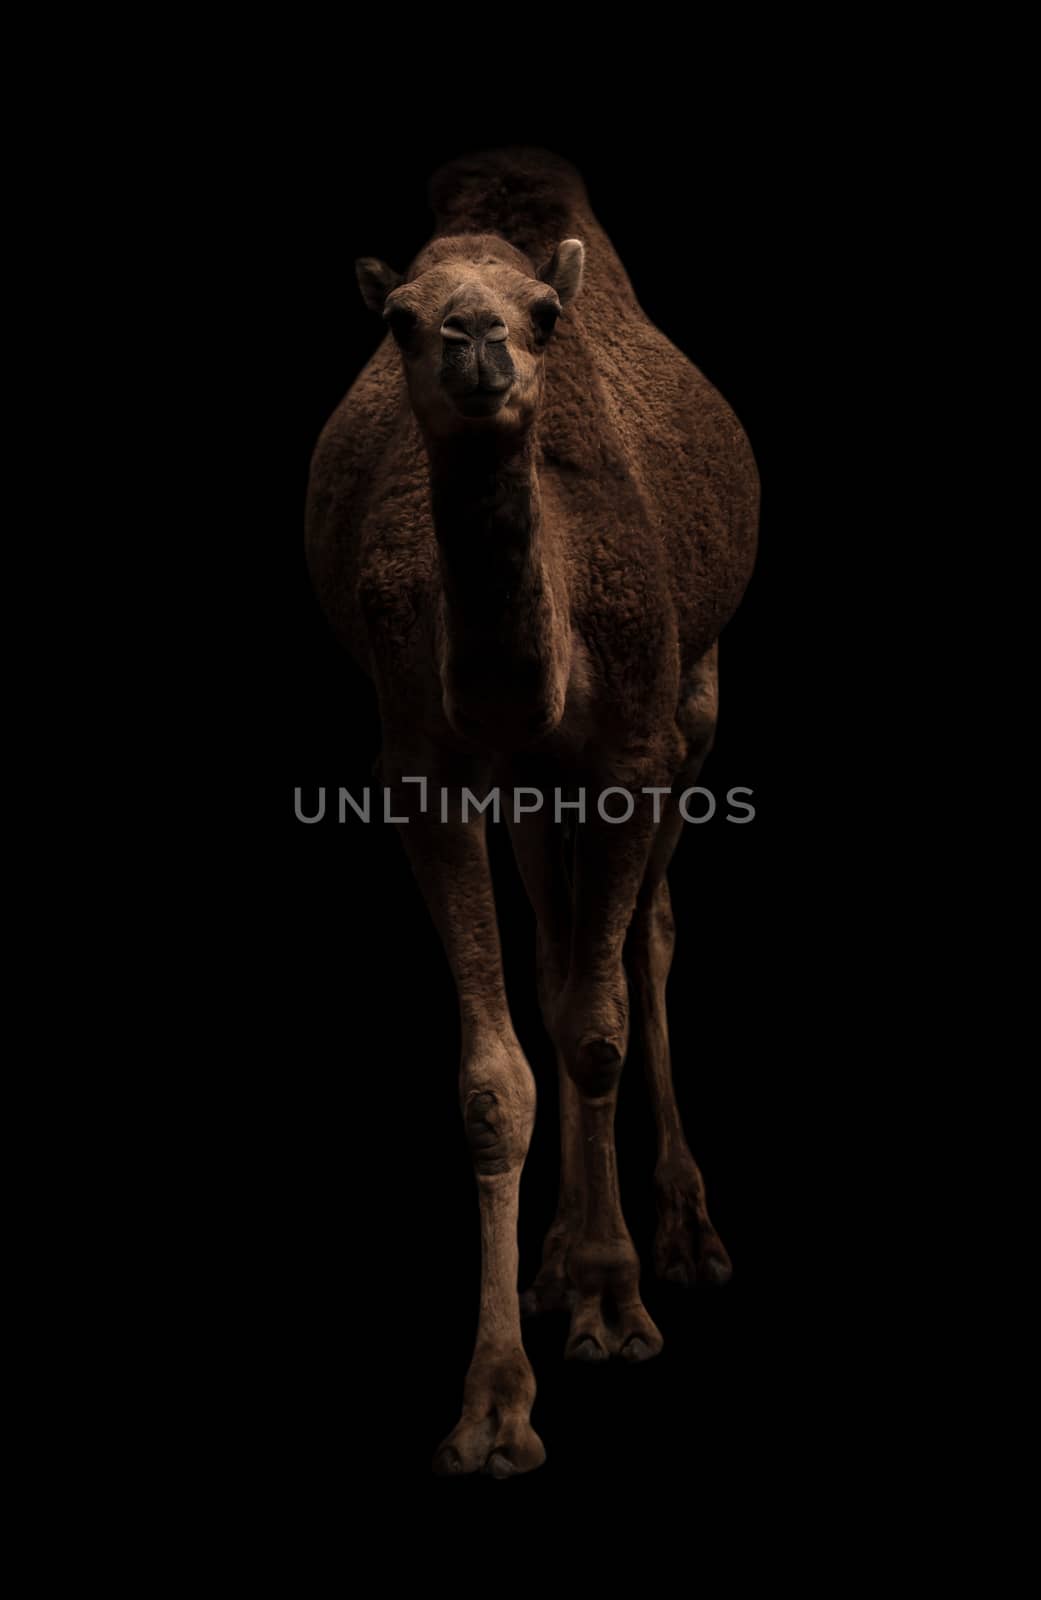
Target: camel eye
544	315
403	323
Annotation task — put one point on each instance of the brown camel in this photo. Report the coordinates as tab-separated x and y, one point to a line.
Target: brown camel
528	521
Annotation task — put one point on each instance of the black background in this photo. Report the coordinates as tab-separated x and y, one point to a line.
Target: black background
348	1242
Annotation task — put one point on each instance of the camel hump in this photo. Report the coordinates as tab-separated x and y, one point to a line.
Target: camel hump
525	194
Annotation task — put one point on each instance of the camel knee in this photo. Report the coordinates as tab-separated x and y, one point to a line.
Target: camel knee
595	1067
498	1103
591	1032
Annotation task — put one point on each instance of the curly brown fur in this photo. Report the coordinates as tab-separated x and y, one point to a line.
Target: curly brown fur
528	521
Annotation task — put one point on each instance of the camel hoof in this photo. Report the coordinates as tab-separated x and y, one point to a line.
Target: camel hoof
447	1463
587	1349
687	1249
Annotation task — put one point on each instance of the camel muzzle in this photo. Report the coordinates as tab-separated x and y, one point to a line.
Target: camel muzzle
477	371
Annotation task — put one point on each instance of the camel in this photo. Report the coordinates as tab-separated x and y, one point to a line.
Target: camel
528	521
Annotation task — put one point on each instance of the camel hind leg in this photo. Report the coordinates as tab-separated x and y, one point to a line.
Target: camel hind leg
539	849
687	1248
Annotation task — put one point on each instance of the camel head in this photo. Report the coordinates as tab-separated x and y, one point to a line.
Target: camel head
472	322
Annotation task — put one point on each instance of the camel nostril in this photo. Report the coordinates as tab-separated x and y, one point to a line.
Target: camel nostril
455	330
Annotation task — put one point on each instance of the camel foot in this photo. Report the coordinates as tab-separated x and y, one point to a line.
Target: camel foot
687	1248
600	1330
494	1434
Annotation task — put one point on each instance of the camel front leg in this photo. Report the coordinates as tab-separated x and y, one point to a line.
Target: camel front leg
497	1099
591	1029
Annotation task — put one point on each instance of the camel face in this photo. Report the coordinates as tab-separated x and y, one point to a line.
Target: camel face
471	339
472	334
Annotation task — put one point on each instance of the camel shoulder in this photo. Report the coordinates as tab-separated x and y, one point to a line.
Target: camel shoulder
367	523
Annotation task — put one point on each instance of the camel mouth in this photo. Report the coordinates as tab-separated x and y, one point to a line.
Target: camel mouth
514	730
482	402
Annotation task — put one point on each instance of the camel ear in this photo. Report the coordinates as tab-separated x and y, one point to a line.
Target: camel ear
375	280
563	270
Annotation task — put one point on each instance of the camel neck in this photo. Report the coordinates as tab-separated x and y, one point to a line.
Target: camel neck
488	522
504	640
